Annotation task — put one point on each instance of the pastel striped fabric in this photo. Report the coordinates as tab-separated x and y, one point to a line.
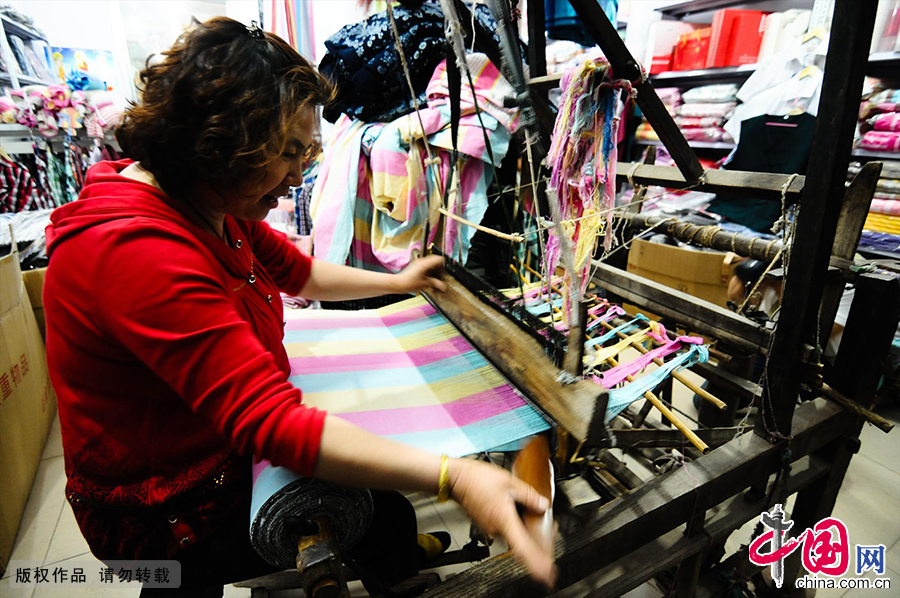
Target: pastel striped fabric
405	372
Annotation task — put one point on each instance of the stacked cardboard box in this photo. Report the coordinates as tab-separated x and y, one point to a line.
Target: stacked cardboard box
27	400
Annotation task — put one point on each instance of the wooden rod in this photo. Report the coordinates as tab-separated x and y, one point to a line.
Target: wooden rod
667	413
677	375
515	238
837	396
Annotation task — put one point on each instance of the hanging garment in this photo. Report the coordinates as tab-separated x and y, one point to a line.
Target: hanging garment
768	144
369	206
335	191
783	85
491	89
363	62
42	180
17	188
60	190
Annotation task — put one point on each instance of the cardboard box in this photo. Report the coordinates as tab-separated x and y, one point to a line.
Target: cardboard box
661	40
703	274
736	37
691	50
34	284
27	401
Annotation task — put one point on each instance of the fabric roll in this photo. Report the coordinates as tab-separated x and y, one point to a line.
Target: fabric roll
280	494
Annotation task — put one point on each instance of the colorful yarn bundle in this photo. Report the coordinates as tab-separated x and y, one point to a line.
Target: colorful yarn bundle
583	158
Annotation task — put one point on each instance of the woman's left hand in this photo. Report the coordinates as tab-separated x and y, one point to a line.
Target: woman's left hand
421	275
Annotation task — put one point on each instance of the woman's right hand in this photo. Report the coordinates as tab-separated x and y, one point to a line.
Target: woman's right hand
489	495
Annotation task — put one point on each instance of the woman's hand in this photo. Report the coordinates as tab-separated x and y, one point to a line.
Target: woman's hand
489	495
420	275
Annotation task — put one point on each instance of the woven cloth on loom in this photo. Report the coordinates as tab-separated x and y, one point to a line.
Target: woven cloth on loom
403	371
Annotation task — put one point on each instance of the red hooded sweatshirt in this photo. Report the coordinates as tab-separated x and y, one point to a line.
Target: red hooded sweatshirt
165	350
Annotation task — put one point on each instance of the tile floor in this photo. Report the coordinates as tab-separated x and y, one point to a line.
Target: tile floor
869	503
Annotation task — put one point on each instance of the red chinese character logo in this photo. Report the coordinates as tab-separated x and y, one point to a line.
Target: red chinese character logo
24	361
822	552
14	374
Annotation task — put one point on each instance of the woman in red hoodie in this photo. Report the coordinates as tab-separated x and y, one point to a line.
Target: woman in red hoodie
164	322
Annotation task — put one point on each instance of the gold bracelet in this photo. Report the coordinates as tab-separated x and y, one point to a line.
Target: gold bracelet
444	480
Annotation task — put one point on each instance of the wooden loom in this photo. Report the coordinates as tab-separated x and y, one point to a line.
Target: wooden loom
674	519
629	540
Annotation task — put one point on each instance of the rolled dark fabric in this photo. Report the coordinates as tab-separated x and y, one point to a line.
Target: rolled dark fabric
279	495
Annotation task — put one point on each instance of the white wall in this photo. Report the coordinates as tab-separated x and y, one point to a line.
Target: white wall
328	18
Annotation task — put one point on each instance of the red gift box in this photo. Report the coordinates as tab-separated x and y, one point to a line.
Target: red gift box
691	50
736	37
661	42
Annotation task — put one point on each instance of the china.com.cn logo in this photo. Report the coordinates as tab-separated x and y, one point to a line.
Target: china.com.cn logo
825	547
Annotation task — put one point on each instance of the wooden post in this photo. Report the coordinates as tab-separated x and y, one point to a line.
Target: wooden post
867	339
740	367
537	43
485	42
819	210
624	66
574	362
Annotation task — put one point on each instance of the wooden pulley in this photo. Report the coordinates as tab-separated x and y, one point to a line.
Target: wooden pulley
533	466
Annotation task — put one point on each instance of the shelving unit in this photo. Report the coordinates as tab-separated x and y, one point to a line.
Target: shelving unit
678	10
869	155
23	31
728	74
9	26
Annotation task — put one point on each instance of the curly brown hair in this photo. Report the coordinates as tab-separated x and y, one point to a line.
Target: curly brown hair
219	105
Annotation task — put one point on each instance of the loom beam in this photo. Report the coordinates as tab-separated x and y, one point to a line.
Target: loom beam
319	562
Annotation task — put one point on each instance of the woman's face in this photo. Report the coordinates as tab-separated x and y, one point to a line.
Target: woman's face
260	191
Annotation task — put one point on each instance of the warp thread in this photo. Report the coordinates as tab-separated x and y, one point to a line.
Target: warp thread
618	374
620	398
630	325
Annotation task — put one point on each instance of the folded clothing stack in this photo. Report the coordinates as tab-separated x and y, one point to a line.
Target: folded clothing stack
879	121
704	111
699	112
884	213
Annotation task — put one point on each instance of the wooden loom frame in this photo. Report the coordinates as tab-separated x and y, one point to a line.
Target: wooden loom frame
632	538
